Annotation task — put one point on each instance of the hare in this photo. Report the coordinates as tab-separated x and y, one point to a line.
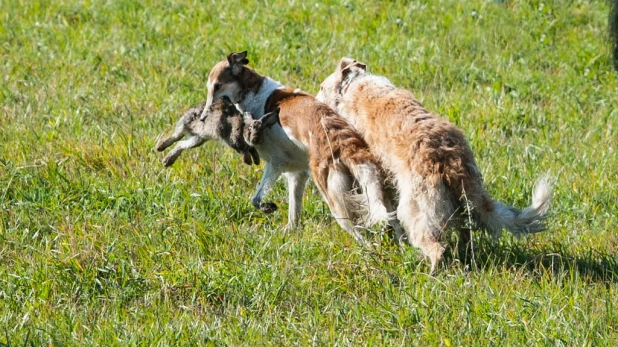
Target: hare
223	122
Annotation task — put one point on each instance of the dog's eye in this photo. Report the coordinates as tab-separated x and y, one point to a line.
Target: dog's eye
216	87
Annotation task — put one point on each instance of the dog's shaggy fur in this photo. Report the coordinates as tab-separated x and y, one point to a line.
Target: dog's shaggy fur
429	158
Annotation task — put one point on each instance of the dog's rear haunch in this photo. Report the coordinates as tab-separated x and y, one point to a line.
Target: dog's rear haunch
223	123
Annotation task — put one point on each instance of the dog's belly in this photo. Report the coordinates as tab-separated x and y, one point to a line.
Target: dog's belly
278	150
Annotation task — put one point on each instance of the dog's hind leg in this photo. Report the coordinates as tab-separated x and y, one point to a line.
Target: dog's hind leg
339	211
373	198
425	211
296	187
193	141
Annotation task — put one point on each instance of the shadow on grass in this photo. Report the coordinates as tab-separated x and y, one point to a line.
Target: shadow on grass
555	258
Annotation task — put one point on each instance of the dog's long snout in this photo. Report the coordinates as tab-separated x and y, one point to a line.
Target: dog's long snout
209	103
205	111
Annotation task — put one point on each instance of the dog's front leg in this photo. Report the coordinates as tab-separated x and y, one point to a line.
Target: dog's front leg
271	173
296	187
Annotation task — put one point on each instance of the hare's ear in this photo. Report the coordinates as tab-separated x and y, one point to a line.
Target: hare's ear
270	118
345	62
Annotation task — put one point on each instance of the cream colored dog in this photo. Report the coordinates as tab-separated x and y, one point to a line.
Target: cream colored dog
428	157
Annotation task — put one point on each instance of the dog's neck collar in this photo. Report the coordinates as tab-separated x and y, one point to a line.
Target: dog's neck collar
254	102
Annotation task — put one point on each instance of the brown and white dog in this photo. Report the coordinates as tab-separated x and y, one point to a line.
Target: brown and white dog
310	136
429	158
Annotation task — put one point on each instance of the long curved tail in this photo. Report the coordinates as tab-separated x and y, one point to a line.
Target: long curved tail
496	216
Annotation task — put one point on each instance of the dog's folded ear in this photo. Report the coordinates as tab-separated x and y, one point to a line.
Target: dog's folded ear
355	66
345	62
237	60
270	118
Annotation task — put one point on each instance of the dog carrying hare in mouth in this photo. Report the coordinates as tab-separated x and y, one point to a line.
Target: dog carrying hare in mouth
310	136
429	158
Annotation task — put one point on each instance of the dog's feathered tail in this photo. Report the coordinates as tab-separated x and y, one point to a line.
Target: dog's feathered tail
358	179
495	216
370	201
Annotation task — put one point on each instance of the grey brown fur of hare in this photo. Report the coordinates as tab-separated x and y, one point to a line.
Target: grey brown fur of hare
223	123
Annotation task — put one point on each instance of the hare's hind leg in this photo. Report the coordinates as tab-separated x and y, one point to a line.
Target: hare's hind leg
191	142
178	133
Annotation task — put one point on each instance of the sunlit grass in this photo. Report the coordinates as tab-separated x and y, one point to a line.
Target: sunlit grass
101	245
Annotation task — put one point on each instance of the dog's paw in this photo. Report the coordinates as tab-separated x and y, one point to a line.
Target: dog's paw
268	207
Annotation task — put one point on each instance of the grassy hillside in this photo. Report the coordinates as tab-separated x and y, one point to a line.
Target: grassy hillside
101	245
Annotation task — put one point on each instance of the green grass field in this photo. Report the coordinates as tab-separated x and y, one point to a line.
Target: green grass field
102	245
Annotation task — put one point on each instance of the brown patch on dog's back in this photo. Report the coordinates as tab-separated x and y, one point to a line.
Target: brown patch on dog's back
329	137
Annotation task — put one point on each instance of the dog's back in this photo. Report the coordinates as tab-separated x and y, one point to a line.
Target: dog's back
428	144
